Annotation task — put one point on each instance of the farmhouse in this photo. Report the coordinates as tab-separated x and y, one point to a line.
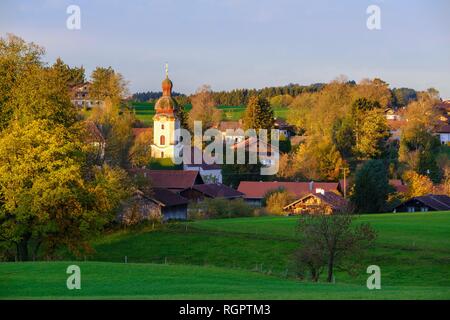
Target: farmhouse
430	202
162	203
444	133
172	205
95	139
173	180
80	96
254	191
231	131
213	190
321	201
285	129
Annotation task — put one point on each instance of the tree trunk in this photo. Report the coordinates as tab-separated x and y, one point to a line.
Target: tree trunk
22	248
36	250
330	269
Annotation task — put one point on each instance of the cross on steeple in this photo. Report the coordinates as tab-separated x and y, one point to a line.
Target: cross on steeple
167	70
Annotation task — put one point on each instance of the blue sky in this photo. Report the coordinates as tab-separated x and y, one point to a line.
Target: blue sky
244	43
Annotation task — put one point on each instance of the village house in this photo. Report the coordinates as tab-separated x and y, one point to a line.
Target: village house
80	97
391	114
212	191
395	128
160	205
320	201
430	202
94	138
444	133
172	180
172	205
285	129
255	191
231	131
210	173
265	152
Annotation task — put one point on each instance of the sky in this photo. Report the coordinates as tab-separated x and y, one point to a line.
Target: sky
243	43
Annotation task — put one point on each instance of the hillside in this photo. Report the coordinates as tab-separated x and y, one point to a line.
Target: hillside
247	258
46	280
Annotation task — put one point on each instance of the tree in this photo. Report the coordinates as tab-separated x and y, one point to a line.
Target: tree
141	150
116	126
71	76
281	101
40	94
331	241
371	187
372	135
418	185
318	159
276	200
419	147
16	57
47	198
374	90
258	114
107	83
204	109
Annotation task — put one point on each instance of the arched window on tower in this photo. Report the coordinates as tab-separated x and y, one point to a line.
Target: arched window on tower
162	127
162	140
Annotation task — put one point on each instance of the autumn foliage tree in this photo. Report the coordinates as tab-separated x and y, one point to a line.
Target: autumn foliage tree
47	200
204	109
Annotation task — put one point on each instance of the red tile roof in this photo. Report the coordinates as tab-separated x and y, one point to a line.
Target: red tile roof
217	190
170	179
257	190
395	124
93	133
443	129
139	131
168	198
232	125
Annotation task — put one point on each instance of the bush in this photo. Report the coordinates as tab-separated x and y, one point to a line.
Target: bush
276	200
220	208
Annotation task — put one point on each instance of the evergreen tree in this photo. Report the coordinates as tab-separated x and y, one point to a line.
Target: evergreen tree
258	114
371	187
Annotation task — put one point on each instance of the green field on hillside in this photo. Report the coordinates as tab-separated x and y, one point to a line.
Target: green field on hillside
47	280
246	258
145	112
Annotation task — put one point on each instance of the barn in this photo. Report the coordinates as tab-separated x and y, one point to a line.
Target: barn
430	202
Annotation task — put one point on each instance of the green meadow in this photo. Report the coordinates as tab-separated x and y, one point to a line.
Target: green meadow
145	112
242	258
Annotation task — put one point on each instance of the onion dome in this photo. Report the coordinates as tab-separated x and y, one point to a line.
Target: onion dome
166	104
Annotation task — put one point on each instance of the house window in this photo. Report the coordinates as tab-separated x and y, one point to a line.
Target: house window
162	154
162	140
162	127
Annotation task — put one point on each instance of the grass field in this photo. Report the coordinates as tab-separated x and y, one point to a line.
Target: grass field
244	258
47	280
145	112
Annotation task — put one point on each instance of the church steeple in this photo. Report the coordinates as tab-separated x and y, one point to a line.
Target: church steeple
165	123
166	104
167	84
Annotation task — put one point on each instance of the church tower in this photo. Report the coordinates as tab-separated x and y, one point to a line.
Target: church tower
165	122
